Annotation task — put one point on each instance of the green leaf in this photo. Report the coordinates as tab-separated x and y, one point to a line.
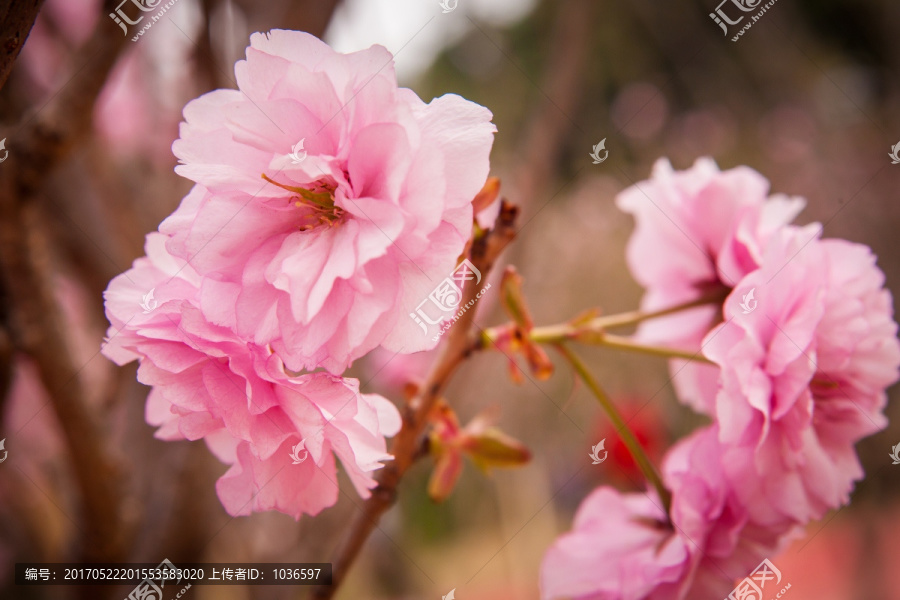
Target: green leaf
491	448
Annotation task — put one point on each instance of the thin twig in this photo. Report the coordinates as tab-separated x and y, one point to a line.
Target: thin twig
619	342
634	447
575	330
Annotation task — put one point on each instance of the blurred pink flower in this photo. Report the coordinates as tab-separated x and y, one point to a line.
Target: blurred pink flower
210	383
624	548
353	228
37	443
803	376
61	28
697	231
137	111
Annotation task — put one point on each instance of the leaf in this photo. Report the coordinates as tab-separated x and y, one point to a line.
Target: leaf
514	300
444	422
487	195
515	373
492	448
447	470
538	361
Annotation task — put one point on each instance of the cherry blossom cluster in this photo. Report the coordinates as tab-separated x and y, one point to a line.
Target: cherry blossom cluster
328	203
278	270
801	352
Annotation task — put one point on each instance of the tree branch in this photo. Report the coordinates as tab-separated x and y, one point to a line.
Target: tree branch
16	22
37	326
406	444
561	88
48	137
39	331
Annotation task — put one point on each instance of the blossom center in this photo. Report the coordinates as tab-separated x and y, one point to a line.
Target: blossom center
317	199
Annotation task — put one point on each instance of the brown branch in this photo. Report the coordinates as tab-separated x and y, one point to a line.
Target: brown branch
16	22
39	330
204	55
406	445
6	361
36	323
46	138
551	121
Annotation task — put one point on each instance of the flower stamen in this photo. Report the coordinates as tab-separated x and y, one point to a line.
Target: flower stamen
320	199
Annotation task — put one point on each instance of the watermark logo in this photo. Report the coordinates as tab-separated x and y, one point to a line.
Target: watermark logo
595	452
152	587
894	153
749	302
121	18
895	455
721	18
295	453
451	595
596	153
449	5
298	154
6	152
447	297
146	6
3	450
751	588
148	302
735	8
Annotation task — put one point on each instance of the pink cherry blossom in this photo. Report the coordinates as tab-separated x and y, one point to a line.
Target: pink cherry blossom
210	383
620	549
803	376
725	541
802	360
623	547
697	232
327	248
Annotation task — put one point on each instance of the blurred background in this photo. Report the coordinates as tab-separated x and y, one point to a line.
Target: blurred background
808	96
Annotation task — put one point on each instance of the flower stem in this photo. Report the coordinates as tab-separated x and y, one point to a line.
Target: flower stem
623	343
637	452
566	331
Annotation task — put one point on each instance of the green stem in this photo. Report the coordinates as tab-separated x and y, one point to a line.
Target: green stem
623	343
553	334
640	457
